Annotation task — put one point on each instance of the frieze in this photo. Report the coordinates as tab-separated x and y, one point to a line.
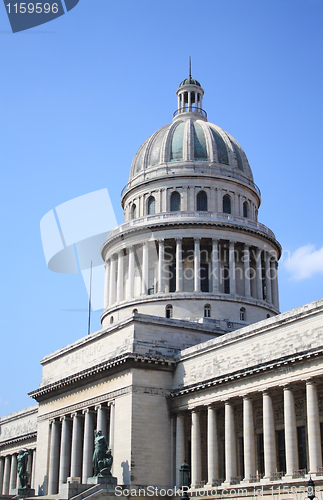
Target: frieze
11	430
105	398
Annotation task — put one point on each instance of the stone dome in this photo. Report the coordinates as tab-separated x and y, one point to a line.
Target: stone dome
190	81
192	139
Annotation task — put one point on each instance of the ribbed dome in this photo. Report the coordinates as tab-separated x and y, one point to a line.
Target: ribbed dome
190	81
191	140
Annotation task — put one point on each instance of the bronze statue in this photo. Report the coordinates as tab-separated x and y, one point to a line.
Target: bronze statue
102	457
22	460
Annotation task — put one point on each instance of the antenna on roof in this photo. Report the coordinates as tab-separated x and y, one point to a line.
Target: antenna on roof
190	68
90	298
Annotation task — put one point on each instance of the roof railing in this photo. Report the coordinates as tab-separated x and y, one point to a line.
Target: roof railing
190	109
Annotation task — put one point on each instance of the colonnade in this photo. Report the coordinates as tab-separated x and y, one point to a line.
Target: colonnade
225	262
248	455
9	480
72	443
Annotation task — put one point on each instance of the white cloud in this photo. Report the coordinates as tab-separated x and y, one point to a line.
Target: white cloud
304	263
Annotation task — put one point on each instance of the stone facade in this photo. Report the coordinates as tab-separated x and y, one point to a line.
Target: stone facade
193	360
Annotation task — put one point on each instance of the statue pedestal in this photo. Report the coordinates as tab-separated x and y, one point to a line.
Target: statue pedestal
107	482
24	492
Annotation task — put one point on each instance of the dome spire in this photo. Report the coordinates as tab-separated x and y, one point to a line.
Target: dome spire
190	96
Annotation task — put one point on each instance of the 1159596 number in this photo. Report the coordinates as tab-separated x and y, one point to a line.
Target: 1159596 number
29	7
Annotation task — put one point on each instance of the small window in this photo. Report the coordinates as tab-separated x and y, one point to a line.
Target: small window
111	320
226	204
268	316
207	311
245	209
169	311
201	202
242	314
133	211
175	202
135	311
151	205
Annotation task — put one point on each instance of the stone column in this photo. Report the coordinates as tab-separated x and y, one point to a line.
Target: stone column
269	435
33	472
1	473
87	467
259	274
76	453
189	101
220	200
144	278
212	446
101	422
65	452
313	427
120	277
230	443
248	439
215	266
232	268
161	286
196	467
131	272
180	447
179	265
106	285
268	277
112	280
13	474
6	475
197	265
290	432
275	294
112	426
246	262
54	458
28	468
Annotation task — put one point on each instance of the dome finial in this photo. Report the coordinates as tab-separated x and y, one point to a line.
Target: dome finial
190	68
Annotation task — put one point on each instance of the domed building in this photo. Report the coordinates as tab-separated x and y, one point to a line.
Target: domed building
193	361
191	246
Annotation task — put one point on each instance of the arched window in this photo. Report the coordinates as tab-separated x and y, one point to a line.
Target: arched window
242	314
133	211
245	209
111	320
169	311
151	205
175	202
226	204
135	311
268	316
207	311
201	202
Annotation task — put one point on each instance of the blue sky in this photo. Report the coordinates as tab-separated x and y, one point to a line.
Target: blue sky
80	94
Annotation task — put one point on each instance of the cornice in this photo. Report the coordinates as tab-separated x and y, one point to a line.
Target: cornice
67	382
18	439
166	224
247	372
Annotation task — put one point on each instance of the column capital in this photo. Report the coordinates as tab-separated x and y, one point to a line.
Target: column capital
88	410
247	397
215	241
65	417
111	403
287	386
179	239
161	241
246	246
310	381
266	392
197	239
54	421
102	406
76	414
